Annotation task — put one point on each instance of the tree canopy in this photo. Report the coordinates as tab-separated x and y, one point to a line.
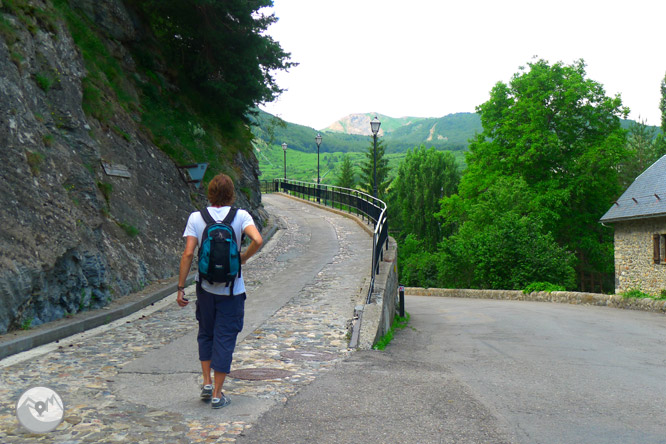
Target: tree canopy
424	177
221	48
558	135
367	170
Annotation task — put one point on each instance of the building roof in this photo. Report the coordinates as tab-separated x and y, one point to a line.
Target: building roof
645	197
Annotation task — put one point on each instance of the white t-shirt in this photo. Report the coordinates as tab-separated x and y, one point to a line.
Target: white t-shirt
195	227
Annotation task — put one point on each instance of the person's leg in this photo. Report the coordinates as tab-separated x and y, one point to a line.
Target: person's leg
205	314
205	369
219	382
230	312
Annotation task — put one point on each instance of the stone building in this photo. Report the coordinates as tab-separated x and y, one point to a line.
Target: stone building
639	220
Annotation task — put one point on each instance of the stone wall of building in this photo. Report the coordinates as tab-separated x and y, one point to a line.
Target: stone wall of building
634	256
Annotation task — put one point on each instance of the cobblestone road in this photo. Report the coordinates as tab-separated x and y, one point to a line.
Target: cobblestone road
85	371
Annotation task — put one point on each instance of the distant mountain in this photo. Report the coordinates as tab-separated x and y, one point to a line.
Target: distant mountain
360	124
272	130
352	133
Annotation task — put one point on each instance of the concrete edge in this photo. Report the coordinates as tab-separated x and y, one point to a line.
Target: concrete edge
82	322
379	313
563	297
47	333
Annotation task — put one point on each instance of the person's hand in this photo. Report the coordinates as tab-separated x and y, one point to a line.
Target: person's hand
180	299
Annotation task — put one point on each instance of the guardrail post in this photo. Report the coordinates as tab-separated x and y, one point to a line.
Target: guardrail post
401	291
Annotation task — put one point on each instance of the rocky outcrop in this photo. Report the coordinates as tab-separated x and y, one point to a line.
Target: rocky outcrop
72	234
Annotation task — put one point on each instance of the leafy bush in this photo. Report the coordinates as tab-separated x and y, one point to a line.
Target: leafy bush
418	268
543	286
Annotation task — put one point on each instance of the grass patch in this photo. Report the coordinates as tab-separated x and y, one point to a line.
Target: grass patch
35	161
130	230
43	81
48	139
637	293
543	286
7	31
116	129
27	324
106	189
398	324
105	75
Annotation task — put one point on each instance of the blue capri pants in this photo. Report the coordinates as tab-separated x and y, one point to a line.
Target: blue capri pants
220	320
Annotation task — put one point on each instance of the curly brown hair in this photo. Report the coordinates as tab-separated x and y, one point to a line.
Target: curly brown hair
221	191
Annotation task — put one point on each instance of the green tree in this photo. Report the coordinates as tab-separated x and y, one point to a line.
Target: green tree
644	147
501	243
418	267
662	105
346	177
557	132
367	173
424	177
221	48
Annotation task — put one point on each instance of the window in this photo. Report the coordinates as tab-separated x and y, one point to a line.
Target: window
659	248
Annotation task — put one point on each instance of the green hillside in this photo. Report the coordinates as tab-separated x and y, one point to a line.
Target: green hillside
450	132
272	130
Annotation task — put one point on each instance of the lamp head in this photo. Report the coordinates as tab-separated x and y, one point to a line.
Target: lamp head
374	125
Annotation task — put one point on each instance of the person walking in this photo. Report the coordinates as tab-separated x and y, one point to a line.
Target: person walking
220	308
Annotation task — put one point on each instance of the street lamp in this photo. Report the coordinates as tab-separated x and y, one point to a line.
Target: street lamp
318	140
284	148
374	126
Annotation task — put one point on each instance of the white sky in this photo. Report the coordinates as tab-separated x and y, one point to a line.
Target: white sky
430	58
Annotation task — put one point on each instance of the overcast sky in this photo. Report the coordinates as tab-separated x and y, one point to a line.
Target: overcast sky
430	58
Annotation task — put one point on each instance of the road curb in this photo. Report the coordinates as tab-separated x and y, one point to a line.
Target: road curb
82	322
563	297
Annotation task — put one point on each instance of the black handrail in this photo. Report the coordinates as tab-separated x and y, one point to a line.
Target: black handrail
353	201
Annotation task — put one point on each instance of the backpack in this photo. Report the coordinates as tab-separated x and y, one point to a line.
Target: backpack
219	255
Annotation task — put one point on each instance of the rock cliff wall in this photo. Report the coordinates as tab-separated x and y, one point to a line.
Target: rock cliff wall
71	235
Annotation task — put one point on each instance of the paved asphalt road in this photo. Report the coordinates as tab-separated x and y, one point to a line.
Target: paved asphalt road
484	371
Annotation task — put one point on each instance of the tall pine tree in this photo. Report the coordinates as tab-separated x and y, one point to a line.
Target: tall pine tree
662	105
367	171
346	177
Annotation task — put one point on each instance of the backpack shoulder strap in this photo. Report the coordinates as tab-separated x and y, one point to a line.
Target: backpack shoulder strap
206	216
230	215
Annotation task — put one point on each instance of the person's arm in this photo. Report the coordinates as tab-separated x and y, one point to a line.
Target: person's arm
254	235
185	264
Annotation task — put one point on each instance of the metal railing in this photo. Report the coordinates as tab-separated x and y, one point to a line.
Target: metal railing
268	186
352	201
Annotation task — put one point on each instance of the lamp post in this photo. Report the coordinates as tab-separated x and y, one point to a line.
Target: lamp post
374	126
318	140
284	148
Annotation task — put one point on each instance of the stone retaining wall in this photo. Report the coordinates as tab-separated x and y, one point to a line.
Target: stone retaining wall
565	297
379	313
